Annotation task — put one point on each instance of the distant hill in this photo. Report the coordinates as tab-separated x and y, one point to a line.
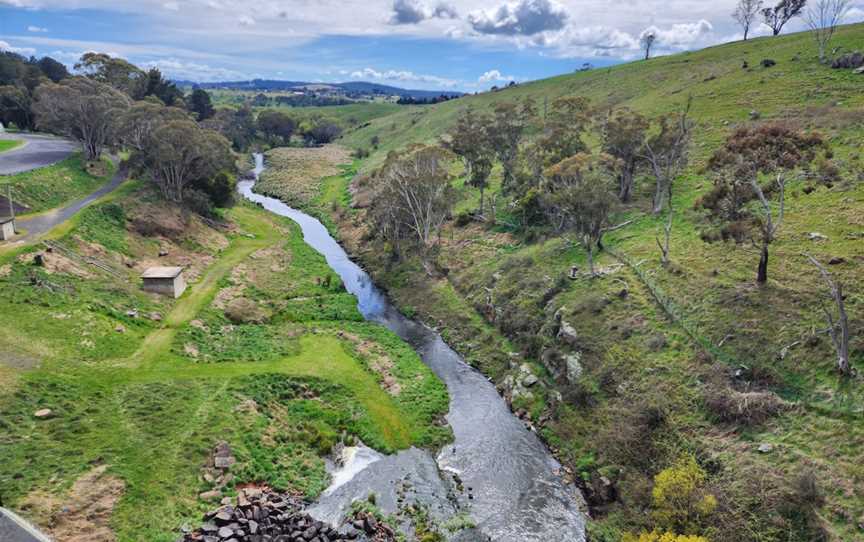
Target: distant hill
354	87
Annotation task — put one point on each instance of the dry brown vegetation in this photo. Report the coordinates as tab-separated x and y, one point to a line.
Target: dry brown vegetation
293	173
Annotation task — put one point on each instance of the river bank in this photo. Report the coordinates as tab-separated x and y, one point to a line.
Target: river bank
505	477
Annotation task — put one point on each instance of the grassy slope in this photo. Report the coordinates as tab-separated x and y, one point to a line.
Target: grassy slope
140	402
56	185
9	144
635	358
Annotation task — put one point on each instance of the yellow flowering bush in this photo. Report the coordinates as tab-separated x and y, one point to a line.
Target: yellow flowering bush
657	536
679	498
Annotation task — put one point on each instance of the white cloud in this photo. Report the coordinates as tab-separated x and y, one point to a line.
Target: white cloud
36	29
403	76
416	11
246	20
171	6
494	76
25	51
682	35
520	18
191	71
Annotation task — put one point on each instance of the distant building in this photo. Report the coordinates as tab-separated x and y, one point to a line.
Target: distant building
7	228
164	280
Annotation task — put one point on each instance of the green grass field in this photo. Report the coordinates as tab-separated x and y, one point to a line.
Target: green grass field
9	144
506	291
57	185
149	398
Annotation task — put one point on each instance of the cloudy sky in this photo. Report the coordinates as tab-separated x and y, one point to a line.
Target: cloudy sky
464	45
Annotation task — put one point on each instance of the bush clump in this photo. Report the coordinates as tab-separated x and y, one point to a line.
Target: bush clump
679	498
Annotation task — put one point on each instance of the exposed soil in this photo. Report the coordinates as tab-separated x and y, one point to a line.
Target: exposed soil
84	514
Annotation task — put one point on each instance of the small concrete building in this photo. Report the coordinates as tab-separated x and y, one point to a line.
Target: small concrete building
7	228
164	280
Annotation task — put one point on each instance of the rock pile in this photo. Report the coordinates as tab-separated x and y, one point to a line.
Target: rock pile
262	515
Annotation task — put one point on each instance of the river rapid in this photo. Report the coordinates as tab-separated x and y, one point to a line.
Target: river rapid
496	471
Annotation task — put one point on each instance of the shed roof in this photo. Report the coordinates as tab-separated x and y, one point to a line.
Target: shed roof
7	219
162	273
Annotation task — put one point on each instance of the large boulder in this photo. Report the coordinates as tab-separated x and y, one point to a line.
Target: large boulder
568	334
849	61
574	367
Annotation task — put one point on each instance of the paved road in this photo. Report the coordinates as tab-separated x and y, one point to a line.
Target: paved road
38	151
15	529
41	224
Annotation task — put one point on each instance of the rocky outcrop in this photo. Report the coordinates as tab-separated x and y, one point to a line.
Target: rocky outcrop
261	515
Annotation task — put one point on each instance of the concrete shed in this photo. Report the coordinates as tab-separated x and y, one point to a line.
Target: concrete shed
7	228
164	280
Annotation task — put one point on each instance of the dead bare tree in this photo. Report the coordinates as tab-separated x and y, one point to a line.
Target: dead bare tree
840	336
823	17
648	39
745	14
768	225
776	17
667	152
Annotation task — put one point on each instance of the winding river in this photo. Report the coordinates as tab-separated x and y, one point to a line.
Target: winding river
496	471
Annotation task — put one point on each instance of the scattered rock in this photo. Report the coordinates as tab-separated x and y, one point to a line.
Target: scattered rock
529	381
768	63
755	115
211	495
853	60
574	367
859	71
155	316
264	515
657	342
816	236
43	414
568	334
837	261
765	448
163	253
120	328
132	313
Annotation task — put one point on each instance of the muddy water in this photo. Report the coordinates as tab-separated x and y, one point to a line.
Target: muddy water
496	471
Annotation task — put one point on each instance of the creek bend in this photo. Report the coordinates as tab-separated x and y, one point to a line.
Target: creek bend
495	470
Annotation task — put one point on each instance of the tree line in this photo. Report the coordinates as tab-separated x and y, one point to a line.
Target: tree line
182	143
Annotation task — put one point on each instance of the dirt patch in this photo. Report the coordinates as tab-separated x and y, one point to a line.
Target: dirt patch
378	362
84	514
57	263
227	295
151	220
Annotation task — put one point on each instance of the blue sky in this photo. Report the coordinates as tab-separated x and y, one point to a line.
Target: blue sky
467	45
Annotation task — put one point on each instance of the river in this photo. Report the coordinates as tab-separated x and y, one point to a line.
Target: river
496	471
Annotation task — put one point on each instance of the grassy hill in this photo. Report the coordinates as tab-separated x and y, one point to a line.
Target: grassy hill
266	352
693	360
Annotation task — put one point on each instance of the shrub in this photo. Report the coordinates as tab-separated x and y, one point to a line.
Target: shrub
679	498
751	408
360	153
768	63
657	536
198	202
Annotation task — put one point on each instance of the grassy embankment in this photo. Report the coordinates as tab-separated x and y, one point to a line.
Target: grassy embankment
9	144
651	392
265	351
54	186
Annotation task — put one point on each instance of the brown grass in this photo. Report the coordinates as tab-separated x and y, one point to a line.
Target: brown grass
294	174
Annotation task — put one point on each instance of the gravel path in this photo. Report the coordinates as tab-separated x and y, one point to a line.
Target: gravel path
37	151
